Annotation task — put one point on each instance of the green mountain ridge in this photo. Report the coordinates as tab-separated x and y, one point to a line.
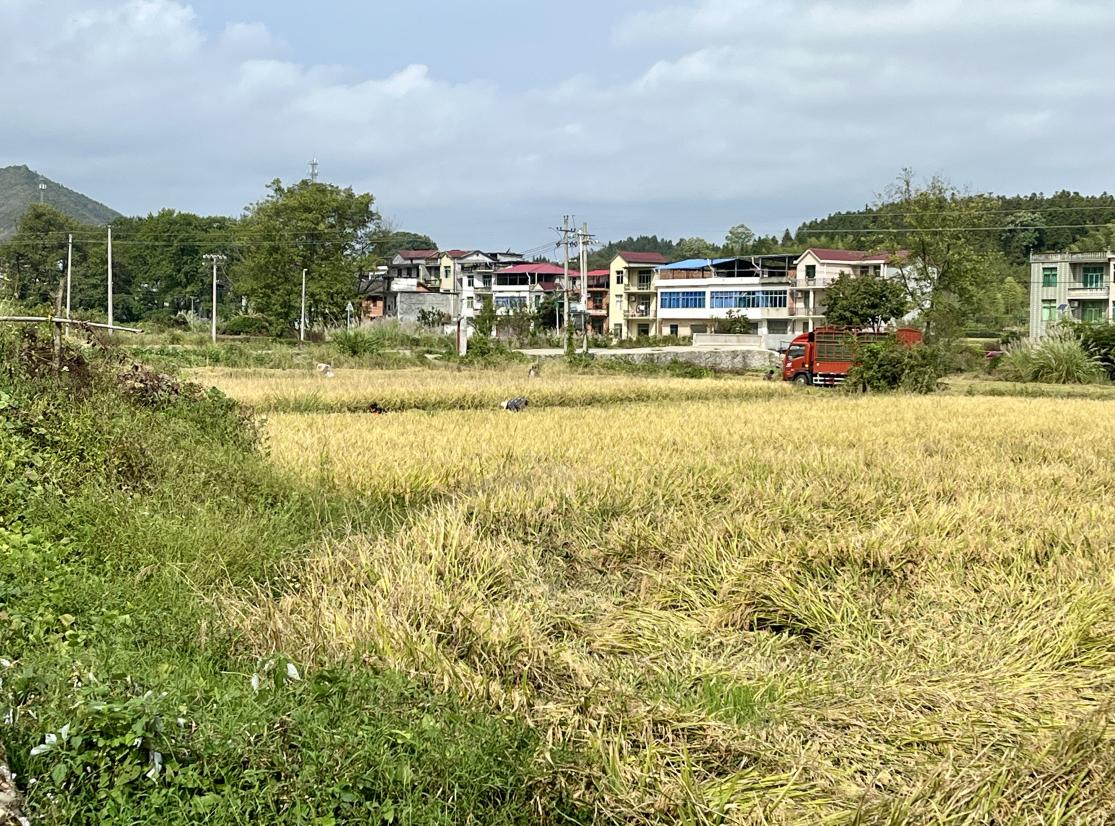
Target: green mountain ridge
19	188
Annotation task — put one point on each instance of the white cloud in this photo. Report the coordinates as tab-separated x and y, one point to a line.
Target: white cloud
731	110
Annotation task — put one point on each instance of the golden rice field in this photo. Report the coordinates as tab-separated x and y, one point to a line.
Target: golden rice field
767	607
352	390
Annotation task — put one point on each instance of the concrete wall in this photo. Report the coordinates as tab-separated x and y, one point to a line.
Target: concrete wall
406	306
714	359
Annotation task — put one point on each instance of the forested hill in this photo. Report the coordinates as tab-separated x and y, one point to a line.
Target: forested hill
1015	224
19	188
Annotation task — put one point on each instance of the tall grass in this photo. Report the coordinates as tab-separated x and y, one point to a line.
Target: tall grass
899	613
1059	358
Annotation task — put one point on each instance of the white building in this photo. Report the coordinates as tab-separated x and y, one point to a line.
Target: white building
777	294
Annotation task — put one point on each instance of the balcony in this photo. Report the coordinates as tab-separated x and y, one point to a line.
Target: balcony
641	287
639	312
1088	289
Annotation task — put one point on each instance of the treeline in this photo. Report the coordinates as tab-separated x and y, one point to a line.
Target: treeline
1014	226
740	240
333	233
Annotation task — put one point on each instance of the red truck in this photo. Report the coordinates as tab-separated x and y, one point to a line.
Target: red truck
824	356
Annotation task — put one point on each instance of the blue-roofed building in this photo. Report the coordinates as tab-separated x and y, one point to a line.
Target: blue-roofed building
694	295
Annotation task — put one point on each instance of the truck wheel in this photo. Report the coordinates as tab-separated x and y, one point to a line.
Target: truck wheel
802	379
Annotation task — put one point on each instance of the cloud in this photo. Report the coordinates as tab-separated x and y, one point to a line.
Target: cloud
721	111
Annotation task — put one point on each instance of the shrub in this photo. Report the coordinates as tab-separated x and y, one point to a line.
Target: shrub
167	320
1060	358
890	365
357	342
434	318
251	325
1099	341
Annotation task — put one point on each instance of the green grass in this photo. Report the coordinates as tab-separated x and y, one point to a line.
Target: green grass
127	523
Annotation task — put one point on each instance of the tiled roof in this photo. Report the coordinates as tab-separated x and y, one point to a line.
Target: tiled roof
642	257
536	269
417	253
846	255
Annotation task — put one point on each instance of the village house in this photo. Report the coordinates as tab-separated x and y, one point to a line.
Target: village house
632	302
1079	286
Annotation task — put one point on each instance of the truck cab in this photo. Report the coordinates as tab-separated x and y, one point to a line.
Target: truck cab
796	361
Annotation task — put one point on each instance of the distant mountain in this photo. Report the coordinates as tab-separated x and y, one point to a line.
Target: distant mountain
19	188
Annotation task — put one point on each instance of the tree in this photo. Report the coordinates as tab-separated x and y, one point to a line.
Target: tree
695	248
864	301
787	241
943	264
388	242
739	240
319	227
30	259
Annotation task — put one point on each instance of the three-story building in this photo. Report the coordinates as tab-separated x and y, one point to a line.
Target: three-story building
1079	286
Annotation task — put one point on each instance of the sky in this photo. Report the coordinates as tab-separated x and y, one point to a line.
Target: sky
482	123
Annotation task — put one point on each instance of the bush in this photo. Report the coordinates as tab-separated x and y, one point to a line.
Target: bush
251	325
166	320
890	365
357	343
434	318
1060	358
1099	341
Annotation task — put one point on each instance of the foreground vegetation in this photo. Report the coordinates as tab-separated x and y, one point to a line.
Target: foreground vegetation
130	506
643	600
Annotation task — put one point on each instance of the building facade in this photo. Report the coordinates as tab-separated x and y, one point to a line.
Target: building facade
632	294
767	295
696	295
1079	286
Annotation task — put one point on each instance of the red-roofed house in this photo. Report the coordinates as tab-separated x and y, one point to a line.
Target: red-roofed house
524	285
632	304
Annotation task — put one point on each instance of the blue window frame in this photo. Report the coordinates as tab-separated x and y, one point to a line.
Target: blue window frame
682	300
748	299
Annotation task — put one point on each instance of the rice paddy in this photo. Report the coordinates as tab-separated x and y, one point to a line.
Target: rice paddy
722	601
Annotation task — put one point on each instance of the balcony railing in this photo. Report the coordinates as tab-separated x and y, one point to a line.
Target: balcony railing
640	312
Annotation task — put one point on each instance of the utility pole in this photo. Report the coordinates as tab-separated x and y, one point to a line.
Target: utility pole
216	258
583	240
69	270
565	231
302	323
110	277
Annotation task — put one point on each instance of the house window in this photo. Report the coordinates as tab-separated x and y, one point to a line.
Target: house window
674	330
1048	309
748	299
619	278
446	272
698	329
1091	278
810	271
683	300
471	280
1093	312
644	282
1049	276
469	304
644	330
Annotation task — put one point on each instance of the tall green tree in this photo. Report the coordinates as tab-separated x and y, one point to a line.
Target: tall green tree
937	236
695	248
30	259
739	240
324	229
864	301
